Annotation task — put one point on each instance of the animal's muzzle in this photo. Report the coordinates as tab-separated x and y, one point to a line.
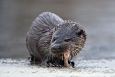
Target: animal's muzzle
57	48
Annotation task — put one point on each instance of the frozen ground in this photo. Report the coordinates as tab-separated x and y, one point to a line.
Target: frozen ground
84	68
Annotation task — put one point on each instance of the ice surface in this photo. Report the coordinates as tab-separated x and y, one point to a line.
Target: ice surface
84	68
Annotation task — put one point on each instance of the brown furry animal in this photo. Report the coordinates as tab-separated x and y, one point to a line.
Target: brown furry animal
54	41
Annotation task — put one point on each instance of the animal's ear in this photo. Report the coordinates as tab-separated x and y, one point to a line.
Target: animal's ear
78	29
80	32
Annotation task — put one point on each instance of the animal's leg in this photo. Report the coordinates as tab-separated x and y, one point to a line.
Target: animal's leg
66	59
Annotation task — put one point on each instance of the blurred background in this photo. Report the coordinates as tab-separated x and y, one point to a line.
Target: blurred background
97	17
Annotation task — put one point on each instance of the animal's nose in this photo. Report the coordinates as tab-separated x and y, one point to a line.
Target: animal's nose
56	47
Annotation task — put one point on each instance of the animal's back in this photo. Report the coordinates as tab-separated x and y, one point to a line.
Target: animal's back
44	23
39	36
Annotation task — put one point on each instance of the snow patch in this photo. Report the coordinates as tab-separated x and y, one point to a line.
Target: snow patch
84	68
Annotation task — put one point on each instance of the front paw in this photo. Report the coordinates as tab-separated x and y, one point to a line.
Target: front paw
72	63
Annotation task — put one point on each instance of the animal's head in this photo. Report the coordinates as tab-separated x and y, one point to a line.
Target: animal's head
66	37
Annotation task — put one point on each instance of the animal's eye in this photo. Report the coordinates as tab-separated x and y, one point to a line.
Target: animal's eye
67	40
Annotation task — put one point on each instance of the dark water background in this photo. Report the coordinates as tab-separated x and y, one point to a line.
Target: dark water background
97	16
